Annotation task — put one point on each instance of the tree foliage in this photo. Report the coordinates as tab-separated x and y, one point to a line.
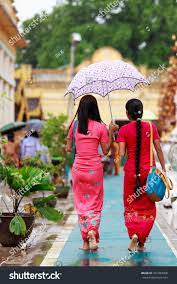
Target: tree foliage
167	113
54	135
140	30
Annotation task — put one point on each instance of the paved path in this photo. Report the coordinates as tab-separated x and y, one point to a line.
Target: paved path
114	239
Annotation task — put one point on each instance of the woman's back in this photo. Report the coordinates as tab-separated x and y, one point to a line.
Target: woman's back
127	134
30	146
87	145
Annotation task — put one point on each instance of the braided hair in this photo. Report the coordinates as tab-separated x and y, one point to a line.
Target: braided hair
134	109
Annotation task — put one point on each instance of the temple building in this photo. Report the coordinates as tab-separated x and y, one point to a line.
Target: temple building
41	91
8	29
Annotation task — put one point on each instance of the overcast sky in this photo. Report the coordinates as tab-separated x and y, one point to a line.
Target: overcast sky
26	9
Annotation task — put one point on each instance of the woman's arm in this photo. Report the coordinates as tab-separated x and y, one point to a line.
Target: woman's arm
107	146
160	154
17	149
122	149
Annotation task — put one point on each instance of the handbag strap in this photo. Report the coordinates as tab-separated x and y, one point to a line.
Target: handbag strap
74	132
151	146
75	127
73	139
167	181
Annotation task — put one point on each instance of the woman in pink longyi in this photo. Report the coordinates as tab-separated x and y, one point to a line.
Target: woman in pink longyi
87	170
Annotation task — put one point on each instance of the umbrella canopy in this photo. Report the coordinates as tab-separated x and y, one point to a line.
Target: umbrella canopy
13	126
104	77
35	124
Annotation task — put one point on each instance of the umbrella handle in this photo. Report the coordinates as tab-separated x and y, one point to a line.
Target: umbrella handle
114	138
110	107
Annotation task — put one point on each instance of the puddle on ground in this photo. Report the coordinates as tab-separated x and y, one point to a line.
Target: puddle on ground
37	260
52	237
93	259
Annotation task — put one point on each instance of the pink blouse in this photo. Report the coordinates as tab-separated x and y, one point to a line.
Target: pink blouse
87	145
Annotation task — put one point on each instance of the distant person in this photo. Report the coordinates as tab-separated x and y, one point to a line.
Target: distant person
44	154
11	151
31	146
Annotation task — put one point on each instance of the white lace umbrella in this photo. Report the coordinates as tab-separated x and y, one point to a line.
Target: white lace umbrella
104	77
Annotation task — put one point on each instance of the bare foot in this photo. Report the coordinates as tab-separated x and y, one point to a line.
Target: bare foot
141	247
134	243
92	240
85	246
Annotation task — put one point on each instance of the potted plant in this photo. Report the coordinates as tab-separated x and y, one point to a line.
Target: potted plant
47	167
53	135
55	127
15	225
61	190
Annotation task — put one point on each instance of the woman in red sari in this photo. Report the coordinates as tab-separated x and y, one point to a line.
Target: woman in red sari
134	138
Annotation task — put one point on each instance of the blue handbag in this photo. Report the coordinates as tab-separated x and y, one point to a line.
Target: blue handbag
157	182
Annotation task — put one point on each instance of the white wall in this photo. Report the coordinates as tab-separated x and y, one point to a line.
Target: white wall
7	85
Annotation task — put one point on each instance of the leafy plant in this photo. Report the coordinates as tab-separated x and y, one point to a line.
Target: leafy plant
42	201
25	180
55	127
50	213
36	162
54	135
22	182
3	172
46	211
17	226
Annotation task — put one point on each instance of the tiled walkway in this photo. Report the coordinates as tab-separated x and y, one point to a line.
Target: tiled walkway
114	239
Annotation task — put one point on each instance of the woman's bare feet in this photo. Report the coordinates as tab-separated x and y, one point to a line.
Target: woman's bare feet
92	240
133	244
85	246
141	247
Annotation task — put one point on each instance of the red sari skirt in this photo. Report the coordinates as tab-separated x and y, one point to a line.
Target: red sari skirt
139	210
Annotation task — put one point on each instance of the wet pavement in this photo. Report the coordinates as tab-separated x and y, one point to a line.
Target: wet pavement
114	239
58	244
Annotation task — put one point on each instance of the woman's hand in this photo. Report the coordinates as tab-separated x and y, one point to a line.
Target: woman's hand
106	146
113	127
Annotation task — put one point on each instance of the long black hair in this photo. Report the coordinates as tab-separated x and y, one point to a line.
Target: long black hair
88	109
10	136
32	133
134	109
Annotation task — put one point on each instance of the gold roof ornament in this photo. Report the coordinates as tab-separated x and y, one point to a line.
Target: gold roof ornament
106	53
101	54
